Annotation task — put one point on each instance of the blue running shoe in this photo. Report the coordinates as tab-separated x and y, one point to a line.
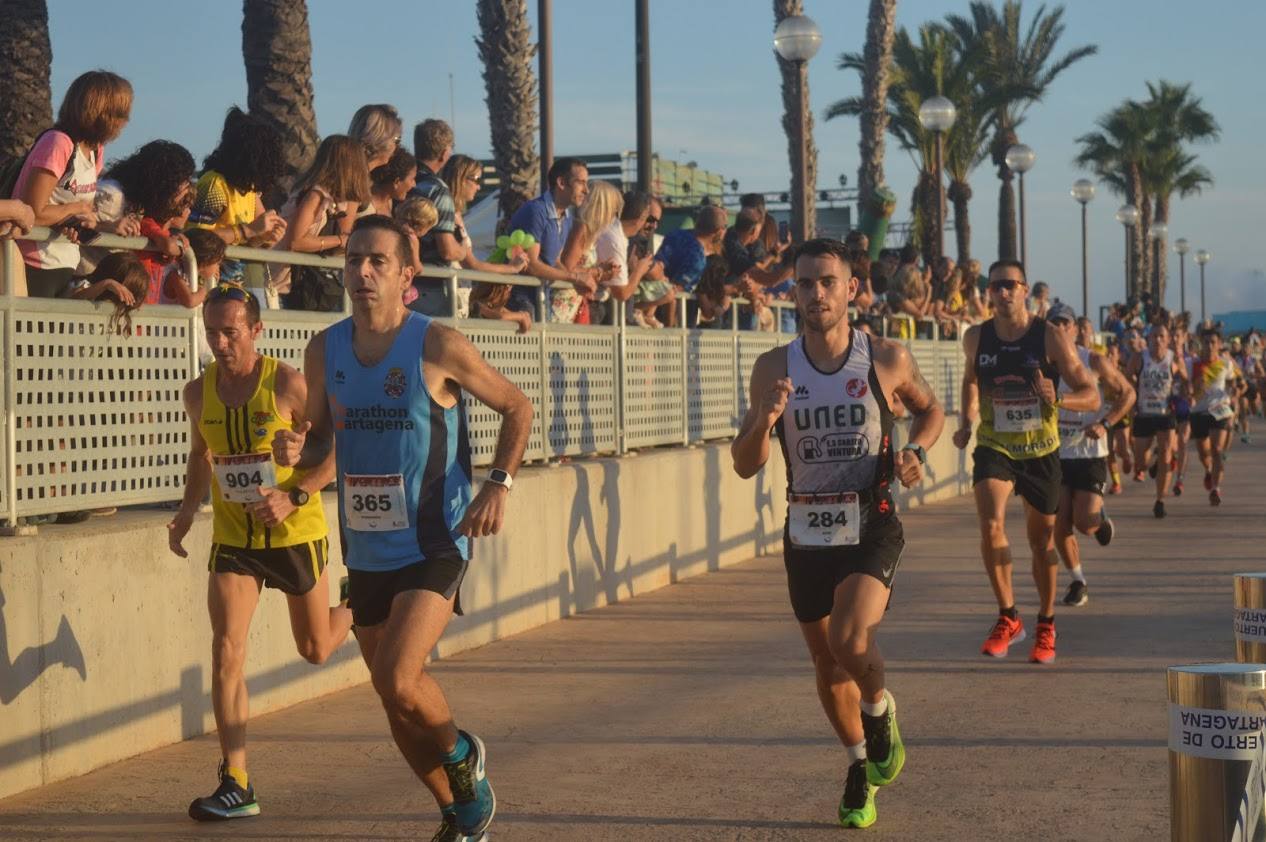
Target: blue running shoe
474	802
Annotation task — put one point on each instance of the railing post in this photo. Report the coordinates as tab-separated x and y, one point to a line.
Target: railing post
685	385
621	348
453	285
546	397
10	266
541	302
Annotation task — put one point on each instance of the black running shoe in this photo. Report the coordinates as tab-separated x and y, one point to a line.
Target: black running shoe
1159	509
1078	594
1106	530
857	807
229	801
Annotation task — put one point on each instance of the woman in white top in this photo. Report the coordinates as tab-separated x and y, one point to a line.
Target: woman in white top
602	206
58	179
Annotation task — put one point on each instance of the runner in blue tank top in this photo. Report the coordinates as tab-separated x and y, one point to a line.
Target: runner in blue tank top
385	389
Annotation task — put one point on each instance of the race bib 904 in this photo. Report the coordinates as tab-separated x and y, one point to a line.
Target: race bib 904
824	520
240	477
375	502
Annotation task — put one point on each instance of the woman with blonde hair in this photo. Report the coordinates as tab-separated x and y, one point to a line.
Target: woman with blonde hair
378	127
601	207
58	179
318	218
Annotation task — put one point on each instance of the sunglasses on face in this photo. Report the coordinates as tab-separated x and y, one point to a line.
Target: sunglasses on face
1005	283
652	220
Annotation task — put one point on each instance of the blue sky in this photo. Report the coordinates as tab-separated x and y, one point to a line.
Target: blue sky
716	100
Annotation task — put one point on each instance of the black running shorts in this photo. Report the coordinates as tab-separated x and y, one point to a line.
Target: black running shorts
1084	475
1202	423
1036	480
370	592
1146	426
293	570
813	574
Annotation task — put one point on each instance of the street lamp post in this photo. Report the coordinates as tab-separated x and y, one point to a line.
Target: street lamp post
937	114
1182	247
1020	159
1128	216
1202	257
797	39
1083	191
1156	235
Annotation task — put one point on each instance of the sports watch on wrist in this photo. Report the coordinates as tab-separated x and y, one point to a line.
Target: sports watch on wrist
500	477
918	451
298	496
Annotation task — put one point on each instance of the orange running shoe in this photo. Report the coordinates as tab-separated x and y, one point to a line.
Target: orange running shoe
1043	644
1005	632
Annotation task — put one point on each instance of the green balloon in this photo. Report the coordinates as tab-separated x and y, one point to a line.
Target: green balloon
528	240
516	237
503	242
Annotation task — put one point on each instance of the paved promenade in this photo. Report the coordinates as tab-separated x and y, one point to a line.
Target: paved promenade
689	713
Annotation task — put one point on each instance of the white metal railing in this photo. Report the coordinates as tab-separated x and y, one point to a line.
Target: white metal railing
96	419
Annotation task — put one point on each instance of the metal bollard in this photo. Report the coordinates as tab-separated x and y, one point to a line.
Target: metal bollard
1250	618
1216	785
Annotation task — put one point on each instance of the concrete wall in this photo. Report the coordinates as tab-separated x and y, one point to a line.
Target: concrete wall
104	639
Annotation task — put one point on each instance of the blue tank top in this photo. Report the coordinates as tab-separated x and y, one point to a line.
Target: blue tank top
408	458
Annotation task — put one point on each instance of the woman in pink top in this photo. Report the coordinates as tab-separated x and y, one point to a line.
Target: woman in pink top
59	177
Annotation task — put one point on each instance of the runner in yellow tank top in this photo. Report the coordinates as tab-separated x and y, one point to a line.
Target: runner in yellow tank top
268	528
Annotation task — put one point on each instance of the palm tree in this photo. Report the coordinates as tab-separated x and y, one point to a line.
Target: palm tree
1166	172
1021	61
795	82
933	66
880	30
26	57
505	45
277	48
1115	154
1177	118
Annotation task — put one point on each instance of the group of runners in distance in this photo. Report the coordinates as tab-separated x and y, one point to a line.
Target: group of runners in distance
379	406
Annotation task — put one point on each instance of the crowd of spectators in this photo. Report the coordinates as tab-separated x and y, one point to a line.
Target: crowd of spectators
599	250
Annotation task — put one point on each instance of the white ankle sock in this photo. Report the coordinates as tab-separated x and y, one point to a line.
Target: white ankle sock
1077	575
856	753
879	708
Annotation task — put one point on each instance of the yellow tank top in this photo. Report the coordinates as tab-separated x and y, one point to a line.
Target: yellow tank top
244	430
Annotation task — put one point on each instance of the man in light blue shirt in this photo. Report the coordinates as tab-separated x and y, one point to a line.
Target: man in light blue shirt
547	219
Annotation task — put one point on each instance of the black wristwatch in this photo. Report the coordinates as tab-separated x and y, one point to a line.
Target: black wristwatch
918	452
299	497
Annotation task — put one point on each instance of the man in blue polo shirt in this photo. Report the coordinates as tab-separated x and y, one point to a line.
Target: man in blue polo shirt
547	218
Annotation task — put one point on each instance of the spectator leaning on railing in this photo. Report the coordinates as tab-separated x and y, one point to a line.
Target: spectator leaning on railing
58	178
463	174
685	252
379	128
433	146
391	182
155	185
601	208
121	279
548	220
247	163
319	214
615	248
654	293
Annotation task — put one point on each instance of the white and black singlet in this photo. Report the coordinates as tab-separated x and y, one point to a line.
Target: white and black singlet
836	437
